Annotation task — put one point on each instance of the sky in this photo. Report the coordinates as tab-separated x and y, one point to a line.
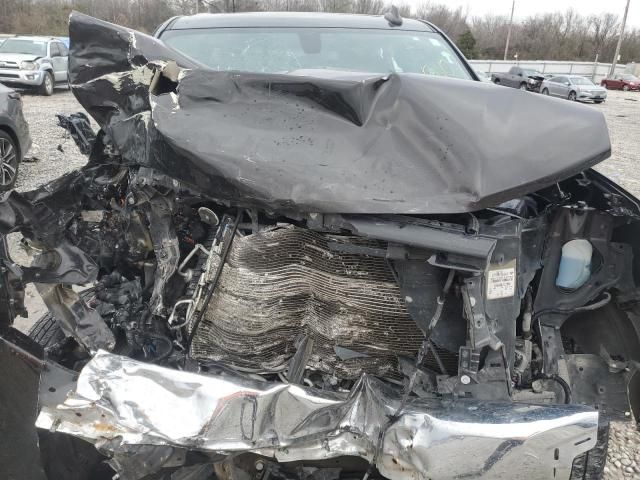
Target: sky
525	8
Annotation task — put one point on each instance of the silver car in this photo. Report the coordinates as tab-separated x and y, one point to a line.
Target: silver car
573	87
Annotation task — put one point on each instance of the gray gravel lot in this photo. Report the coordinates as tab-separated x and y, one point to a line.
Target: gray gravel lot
52	153
622	111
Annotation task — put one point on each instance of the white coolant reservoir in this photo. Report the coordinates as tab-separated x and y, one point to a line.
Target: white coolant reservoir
575	264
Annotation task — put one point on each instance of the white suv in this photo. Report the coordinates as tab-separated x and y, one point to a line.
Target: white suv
33	62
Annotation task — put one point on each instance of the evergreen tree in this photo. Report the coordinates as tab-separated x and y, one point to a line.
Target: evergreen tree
467	44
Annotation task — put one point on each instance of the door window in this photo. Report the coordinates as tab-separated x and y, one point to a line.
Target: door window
55	51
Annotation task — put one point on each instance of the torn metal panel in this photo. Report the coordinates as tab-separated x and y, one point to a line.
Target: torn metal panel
165	245
79	127
65	263
126	401
44	214
76	318
118	48
349	143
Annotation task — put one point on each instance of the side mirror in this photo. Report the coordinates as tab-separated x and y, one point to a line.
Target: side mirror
519	74
567	83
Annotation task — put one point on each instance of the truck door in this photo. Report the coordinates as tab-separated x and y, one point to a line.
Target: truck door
59	63
515	77
64	60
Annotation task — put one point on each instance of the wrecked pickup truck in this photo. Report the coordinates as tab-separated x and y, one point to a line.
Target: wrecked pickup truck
521	78
324	274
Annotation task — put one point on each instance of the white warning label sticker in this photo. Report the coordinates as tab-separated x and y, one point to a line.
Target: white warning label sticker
501	283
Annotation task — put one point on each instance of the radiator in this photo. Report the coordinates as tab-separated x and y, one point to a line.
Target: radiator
287	283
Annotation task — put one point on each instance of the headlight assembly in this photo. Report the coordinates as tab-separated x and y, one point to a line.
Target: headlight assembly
28	65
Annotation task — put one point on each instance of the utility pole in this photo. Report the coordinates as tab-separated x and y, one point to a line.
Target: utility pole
197	6
617	54
506	47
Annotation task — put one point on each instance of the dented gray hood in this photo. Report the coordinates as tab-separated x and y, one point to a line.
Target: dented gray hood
336	142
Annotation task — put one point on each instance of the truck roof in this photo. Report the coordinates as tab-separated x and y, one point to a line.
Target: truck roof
293	20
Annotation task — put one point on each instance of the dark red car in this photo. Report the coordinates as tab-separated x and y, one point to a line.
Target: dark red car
622	81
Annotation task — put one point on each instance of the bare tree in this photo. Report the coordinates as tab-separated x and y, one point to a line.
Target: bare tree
452	22
338	6
604	27
371	7
490	33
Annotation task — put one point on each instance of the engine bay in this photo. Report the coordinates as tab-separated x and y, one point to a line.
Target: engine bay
485	307
443	305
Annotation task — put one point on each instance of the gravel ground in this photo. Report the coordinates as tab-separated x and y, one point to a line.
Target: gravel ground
55	154
52	153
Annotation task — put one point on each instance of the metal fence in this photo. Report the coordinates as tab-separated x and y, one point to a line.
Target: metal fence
594	70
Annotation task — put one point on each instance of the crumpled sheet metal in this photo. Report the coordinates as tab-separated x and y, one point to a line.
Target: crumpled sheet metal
76	318
332	141
42	215
135	403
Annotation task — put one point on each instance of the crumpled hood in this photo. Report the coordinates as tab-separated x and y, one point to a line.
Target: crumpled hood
399	143
17	57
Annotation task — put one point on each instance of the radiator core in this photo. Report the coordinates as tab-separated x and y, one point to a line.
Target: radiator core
285	283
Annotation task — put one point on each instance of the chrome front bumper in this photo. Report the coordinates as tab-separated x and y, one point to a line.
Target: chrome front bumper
21	77
123	404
